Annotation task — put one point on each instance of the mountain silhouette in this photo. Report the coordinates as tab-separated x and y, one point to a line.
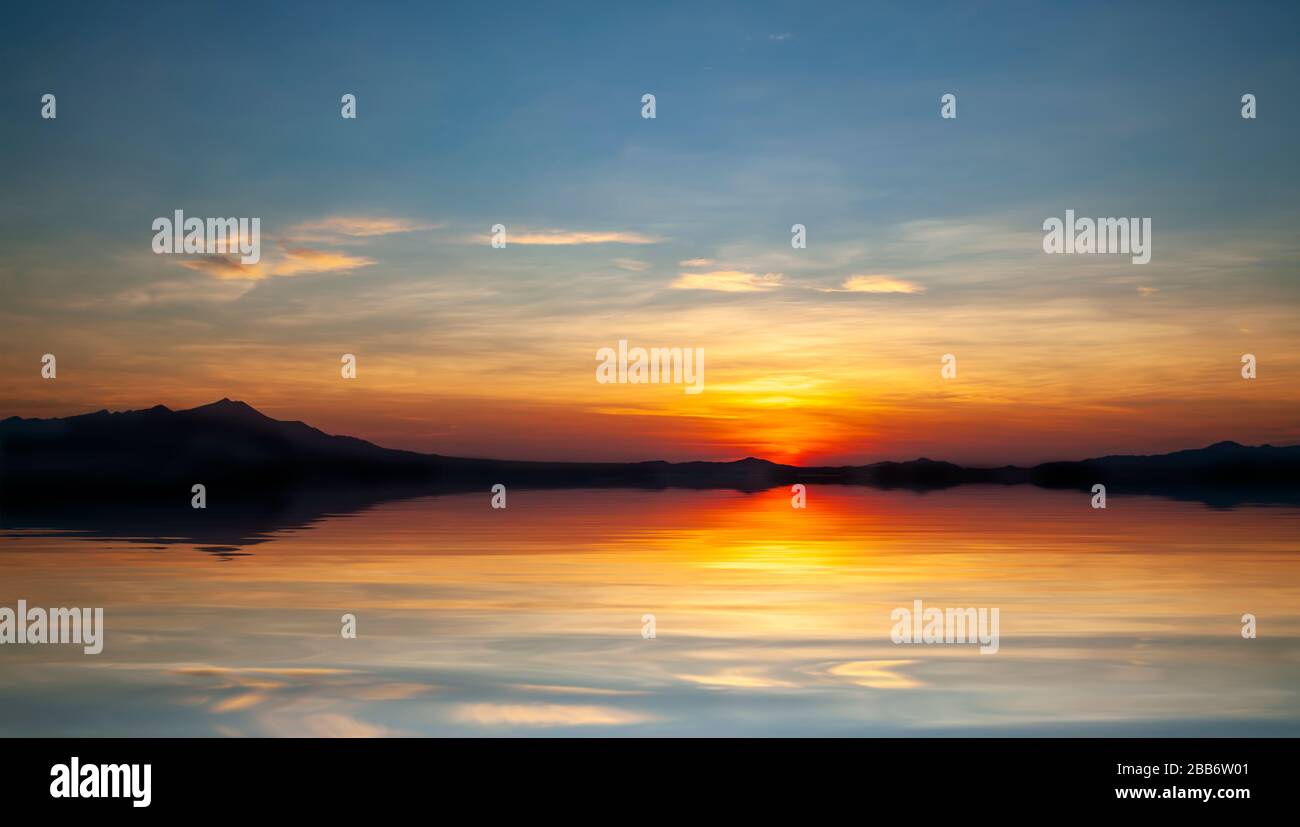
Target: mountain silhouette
130	455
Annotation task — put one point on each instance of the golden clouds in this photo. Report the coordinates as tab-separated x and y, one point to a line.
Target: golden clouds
342	228
874	284
565	238
303	260
728	281
546	715
290	262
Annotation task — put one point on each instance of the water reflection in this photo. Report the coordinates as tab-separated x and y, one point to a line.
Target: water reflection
768	620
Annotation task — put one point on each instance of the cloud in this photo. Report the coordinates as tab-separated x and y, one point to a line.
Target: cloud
545	715
736	679
291	262
286	671
226	267
345	228
284	723
632	264
553	238
777	38
947	238
728	281
170	291
303	260
1148	291
876	674
394	691
241	702
874	284
692	263
561	689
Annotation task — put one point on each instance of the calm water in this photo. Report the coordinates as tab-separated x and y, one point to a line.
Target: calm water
768	620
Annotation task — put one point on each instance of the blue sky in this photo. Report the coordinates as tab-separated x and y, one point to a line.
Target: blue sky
530	112
769	114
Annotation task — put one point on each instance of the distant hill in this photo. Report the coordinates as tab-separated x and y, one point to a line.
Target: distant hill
232	444
1223	463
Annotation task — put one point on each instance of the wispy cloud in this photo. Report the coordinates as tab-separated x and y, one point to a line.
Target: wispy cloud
279	671
728	281
736	679
555	238
247	700
487	714
345	228
874	284
226	267
302	260
284	723
561	689
692	263
777	38
876	674
954	237
169	291
294	261
632	264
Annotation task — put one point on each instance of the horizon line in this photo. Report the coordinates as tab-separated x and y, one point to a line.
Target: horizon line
240	402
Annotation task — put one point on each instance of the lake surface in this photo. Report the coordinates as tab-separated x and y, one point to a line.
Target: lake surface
768	620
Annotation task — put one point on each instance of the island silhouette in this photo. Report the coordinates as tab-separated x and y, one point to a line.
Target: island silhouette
146	459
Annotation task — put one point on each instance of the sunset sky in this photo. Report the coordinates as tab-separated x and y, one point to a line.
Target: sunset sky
924	234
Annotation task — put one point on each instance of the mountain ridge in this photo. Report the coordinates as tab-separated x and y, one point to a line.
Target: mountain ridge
230	441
